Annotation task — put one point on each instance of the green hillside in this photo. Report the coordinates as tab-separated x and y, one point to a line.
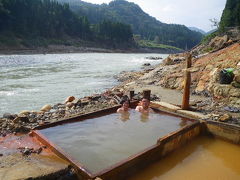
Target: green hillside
149	28
34	23
231	15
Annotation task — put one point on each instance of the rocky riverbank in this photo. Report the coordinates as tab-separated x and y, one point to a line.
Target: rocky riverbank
220	102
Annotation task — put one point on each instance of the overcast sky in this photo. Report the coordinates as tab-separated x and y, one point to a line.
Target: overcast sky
194	13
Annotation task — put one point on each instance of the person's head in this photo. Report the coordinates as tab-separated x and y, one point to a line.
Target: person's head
125	102
145	103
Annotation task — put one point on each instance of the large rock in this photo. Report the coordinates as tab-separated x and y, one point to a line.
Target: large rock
69	99
9	116
24	112
218	42
46	108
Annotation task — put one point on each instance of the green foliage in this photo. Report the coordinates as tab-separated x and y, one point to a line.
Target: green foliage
142	24
231	15
39	21
208	37
152	44
114	31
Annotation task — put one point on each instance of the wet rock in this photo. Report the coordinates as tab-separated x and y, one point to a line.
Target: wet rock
146	64
96	97
225	118
9	116
46	108
69	99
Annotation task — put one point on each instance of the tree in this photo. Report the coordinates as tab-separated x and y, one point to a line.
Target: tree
215	22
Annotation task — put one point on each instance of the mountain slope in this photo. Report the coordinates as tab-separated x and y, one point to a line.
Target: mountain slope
197	30
143	24
231	15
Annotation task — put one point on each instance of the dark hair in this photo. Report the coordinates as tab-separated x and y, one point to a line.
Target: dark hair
124	99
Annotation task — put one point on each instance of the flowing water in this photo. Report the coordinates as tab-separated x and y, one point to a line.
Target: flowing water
101	142
203	158
27	82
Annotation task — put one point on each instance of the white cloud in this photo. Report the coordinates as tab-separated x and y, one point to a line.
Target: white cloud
188	12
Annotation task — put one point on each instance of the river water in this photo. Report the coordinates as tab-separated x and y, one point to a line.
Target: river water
27	82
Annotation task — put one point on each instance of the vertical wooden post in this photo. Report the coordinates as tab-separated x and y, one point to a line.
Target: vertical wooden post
131	94
189	60
146	94
187	83
186	92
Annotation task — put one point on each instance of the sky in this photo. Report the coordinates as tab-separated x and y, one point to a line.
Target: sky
191	13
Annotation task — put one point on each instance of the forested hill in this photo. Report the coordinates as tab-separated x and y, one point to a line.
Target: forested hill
36	22
231	15
142	24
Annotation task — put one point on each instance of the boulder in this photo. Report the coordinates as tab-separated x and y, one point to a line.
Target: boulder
9	116
218	42
46	108
24	112
69	99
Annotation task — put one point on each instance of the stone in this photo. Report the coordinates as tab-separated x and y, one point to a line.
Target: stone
69	99
237	78
146	64
218	42
224	118
21	118
168	61
25	112
222	90
234	92
235	84
69	105
9	116
46	108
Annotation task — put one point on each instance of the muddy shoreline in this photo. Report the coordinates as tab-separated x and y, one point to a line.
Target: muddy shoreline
58	49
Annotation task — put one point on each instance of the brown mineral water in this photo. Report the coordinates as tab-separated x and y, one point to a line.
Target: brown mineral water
203	158
101	142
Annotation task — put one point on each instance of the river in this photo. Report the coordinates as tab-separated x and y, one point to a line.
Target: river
30	81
